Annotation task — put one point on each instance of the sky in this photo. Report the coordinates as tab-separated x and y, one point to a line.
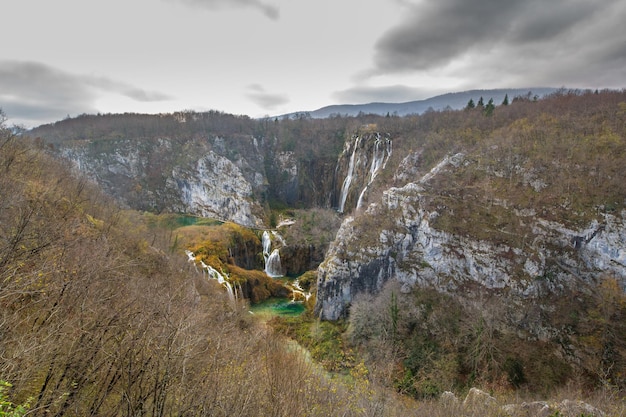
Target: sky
269	57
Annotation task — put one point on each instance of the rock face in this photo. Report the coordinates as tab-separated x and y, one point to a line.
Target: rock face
215	187
190	176
229	178
395	239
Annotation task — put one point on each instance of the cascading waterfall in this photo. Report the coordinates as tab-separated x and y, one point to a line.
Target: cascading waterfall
273	268
267	245
379	161
348	180
213	274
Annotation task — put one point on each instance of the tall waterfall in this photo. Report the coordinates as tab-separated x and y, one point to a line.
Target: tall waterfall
379	161
273	268
348	180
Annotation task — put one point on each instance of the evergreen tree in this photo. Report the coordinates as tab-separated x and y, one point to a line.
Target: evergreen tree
505	102
480	103
470	104
489	108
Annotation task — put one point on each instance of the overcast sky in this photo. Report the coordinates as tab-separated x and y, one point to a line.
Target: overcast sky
268	57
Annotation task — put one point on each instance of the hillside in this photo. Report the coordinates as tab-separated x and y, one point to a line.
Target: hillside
452	101
101	314
477	247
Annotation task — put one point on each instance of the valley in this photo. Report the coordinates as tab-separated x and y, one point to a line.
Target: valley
413	256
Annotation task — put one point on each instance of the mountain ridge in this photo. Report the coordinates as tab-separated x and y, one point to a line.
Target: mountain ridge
455	100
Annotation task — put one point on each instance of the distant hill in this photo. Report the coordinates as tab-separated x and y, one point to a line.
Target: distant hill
455	101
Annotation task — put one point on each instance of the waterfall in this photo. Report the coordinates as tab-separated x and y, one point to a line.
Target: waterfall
297	289
213	274
388	149
359	203
346	182
379	161
272	265
267	245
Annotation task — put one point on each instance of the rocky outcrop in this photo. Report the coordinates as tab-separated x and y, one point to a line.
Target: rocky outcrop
298	259
478	402
215	187
395	239
220	178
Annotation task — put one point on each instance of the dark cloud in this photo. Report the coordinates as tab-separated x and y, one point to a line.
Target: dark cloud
34	93
268	10
436	33
388	94
263	99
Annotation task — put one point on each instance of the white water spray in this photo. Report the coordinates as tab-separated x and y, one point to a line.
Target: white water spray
213	274
379	161
348	180
267	245
273	268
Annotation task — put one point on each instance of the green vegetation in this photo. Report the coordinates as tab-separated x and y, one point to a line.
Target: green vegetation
7	408
324	340
425	343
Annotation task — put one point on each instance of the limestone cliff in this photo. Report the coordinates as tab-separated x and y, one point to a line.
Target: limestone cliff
192	176
395	239
215	187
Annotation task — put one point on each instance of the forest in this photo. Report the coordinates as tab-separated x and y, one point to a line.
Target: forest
102	314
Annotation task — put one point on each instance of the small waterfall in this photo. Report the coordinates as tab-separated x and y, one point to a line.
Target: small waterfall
297	289
379	161
213	274
272	265
348	180
267	245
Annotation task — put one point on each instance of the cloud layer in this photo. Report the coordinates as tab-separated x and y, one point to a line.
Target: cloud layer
279	56
532	41
35	91
435	33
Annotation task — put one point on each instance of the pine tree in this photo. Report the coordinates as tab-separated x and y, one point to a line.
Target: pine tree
505	102
480	104
489	108
470	104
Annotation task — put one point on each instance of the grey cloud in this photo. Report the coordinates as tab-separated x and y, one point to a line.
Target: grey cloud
35	93
270	11
263	99
436	33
